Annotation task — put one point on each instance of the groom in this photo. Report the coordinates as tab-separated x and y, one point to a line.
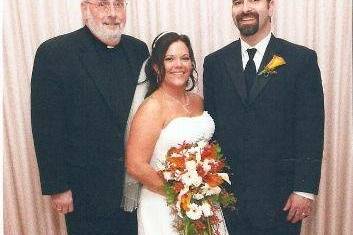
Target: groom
270	126
82	88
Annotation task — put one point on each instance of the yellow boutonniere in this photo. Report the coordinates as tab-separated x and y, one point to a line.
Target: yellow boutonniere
271	67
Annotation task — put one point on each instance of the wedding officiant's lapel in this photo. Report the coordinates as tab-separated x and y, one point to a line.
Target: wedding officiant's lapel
118	101
97	69
135	64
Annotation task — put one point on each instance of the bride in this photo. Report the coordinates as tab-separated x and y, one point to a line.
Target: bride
170	115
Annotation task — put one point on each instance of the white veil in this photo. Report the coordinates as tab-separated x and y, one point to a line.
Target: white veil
131	190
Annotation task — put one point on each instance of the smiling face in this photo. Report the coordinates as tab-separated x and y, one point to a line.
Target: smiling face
177	65
171	64
252	17
107	24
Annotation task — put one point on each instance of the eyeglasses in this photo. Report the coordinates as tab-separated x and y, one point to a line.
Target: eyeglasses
105	5
239	2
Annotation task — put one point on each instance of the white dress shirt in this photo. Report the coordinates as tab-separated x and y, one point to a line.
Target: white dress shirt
260	52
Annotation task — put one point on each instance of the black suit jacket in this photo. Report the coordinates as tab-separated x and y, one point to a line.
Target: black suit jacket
79	118
273	139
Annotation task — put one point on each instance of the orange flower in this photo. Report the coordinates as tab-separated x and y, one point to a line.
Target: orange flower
183	146
271	67
217	166
178	186
178	149
200	171
185	201
172	150
213	180
177	162
209	152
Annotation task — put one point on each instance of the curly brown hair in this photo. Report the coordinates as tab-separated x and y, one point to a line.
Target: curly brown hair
160	46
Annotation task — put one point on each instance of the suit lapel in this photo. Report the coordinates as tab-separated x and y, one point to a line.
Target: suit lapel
131	80
235	69
262	80
117	100
95	68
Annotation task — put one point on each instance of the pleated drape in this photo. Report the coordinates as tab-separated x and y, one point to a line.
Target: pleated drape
323	25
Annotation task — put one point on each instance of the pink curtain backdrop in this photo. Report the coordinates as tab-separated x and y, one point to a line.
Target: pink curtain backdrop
323	25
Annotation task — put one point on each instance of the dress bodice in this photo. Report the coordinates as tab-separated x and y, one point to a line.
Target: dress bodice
179	130
153	206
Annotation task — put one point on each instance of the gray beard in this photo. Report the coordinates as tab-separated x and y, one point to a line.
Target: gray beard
103	34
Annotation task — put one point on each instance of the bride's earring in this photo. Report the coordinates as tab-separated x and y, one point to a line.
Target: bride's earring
188	84
159	78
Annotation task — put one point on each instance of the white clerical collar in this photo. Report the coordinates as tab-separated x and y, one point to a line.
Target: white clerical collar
260	46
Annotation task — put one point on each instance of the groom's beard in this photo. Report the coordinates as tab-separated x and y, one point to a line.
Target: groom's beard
247	30
101	30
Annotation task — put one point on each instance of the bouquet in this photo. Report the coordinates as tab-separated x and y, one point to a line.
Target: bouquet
194	179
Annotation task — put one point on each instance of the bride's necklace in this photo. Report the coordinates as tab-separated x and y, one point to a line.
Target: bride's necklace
184	106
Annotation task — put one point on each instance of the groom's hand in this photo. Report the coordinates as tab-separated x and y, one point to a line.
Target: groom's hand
298	207
62	202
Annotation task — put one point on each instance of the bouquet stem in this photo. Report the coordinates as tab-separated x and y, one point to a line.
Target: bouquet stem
186	228
209	227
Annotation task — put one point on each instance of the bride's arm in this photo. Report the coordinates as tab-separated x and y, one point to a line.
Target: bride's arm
145	130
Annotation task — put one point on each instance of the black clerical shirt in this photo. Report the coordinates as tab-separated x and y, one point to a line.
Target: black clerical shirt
116	68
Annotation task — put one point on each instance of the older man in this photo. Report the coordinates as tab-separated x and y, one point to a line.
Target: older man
82	87
269	122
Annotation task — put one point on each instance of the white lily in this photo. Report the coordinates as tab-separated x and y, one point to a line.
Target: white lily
195	211
225	177
208	190
198	196
190	165
206	209
191	178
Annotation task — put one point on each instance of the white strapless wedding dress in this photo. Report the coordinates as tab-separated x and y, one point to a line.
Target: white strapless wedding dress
153	215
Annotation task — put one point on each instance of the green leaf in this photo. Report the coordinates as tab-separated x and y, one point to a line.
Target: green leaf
170	193
227	199
189	227
219	151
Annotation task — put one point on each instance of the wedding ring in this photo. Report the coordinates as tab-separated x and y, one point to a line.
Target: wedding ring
303	214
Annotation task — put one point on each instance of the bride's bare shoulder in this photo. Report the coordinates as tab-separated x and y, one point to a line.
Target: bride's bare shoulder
196	97
196	100
151	108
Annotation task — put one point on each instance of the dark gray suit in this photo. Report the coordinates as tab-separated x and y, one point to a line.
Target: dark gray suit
79	113
273	139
